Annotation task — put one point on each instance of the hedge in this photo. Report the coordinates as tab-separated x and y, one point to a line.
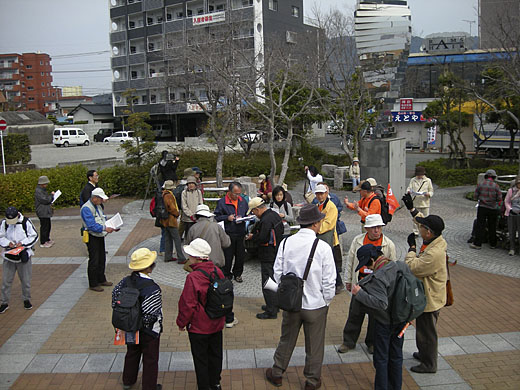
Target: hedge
17	149
443	175
17	189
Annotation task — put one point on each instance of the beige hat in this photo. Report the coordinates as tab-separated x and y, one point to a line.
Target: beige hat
372	181
198	248
191	179
373	220
188	172
261	177
99	193
168	185
43	180
254	203
203	210
355	159
320	188
142	258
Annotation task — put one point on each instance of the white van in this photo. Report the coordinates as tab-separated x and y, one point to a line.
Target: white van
69	136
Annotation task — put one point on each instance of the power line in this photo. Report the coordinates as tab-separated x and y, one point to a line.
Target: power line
86	54
82	71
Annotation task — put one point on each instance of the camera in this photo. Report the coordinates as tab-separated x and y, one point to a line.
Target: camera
170	156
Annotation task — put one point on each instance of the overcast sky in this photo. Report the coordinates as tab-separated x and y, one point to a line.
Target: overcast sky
71	27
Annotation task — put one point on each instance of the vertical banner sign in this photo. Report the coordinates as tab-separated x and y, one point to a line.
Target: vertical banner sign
3	126
432	132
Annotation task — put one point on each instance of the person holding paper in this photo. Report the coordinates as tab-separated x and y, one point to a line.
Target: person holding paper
94	220
17	231
421	189
43	205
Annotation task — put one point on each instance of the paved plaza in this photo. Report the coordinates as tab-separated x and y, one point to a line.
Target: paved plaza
66	341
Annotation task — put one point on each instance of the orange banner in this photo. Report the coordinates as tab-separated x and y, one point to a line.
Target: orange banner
393	204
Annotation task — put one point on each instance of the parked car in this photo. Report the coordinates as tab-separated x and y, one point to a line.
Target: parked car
102	134
69	136
120	137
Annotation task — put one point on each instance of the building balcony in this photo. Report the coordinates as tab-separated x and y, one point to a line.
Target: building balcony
154	29
119	36
153	4
174	25
119	61
136	33
139	58
138	83
118	11
120	86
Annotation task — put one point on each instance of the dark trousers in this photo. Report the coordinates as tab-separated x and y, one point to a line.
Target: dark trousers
426	339
238	251
96	260
187	226
270	297
206	350
352	329
148	347
45	230
171	238
338	262
388	356
489	217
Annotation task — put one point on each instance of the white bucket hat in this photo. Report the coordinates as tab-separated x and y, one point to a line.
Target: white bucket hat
373	220
198	248
100	193
203	210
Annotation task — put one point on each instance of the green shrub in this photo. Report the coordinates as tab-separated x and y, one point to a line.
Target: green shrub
17	149
442	174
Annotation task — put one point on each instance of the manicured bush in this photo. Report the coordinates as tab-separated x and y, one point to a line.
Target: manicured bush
17	149
443	175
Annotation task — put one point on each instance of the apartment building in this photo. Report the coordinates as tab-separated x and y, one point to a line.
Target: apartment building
145	32
26	81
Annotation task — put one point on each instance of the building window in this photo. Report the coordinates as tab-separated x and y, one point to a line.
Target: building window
42	73
41	62
273	5
43	84
295	12
290	37
29	66
43	94
30	88
31	99
53	94
29	77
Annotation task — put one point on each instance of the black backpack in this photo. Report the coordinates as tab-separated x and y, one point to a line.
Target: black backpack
159	210
126	311
408	301
23	223
177	192
219	297
385	213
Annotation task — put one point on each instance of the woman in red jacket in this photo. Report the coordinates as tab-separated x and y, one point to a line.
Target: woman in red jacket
205	333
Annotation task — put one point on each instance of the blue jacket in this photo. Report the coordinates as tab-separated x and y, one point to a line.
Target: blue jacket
338	203
225	208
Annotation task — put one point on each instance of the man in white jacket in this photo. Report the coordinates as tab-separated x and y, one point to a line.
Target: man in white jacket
374	235
421	190
16	231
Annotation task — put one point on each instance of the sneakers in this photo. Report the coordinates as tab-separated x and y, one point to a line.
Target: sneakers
473	246
96	289
343	348
512	252
3	308
232	324
48	244
27	305
239	279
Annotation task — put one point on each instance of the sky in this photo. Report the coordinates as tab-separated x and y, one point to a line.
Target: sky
75	33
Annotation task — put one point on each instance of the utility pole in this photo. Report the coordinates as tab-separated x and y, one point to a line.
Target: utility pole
470	24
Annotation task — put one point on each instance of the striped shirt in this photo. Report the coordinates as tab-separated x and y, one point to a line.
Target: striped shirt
488	194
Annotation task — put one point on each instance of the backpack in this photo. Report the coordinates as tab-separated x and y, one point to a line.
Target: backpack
23	223
126	312
177	192
159	209
385	213
408	301
219	297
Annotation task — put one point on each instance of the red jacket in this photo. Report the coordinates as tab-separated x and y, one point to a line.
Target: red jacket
193	299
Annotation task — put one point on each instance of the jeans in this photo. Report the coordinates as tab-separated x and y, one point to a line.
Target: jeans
388	356
355	182
161	243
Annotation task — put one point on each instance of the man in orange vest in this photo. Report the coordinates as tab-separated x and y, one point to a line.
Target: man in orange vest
368	204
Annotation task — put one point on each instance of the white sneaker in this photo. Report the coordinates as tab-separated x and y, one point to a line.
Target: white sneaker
512	252
232	324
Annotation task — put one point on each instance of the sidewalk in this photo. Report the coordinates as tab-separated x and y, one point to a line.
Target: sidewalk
65	342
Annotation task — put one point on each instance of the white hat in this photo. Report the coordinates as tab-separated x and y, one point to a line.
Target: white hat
198	248
261	177
355	160
254	203
373	220
203	210
320	188
372	181
100	193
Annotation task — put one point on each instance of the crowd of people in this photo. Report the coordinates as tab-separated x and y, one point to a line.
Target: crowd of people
214	243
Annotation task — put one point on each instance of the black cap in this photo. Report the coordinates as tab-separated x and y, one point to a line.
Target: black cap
432	222
11	212
366	186
365	253
309	214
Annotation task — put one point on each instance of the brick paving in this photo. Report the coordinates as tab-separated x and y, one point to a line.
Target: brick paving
487	306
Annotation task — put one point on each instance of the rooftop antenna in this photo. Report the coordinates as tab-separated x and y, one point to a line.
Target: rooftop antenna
470	24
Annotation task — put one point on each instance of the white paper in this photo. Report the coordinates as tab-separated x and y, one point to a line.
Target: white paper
221	224
418	193
242	219
115	222
271	285
56	196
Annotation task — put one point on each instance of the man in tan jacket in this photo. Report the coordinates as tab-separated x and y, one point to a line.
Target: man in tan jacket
429	266
191	197
171	225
